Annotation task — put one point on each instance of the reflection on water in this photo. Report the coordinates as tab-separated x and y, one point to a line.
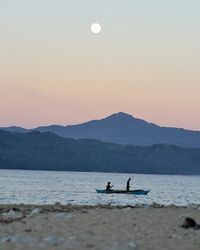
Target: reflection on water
44	187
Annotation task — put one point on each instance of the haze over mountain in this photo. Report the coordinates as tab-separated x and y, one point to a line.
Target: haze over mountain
47	151
123	128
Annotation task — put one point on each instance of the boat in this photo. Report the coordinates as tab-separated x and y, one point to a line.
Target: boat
112	191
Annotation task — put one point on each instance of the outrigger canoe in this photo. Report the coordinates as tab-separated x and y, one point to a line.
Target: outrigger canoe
137	192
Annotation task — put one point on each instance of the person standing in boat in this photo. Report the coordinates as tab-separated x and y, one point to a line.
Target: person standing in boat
128	185
109	186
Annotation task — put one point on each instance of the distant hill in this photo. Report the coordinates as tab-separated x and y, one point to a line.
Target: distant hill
47	151
124	129
15	129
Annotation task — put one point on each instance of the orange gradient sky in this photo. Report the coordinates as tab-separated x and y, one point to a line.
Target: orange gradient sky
146	61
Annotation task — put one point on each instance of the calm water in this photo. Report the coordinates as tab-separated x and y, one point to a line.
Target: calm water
43	187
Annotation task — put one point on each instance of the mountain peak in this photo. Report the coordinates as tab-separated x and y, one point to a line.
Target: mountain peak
124	128
121	115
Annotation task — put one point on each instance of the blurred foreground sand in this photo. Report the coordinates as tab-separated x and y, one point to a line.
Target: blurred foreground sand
60	227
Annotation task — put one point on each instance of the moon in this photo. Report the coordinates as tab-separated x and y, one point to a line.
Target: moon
96	28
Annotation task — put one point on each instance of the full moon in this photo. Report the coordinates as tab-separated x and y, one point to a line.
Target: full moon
96	28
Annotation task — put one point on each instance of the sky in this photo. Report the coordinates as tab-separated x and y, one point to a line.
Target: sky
145	61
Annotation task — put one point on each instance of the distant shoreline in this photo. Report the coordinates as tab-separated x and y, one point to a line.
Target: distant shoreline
74	171
47	151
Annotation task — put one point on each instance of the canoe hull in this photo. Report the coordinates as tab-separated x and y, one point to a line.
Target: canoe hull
136	192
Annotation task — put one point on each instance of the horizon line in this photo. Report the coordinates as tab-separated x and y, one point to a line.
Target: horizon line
107	116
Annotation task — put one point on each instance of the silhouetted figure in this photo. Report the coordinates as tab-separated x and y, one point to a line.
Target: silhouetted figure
128	185
108	186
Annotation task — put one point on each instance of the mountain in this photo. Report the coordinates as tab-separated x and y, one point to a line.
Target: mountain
47	151
125	129
15	129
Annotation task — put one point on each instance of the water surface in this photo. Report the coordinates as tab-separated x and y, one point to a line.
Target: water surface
45	187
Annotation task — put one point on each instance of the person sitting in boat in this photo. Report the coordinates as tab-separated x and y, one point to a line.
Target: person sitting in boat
108	186
128	185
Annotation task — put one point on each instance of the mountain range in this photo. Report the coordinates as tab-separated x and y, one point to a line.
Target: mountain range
47	151
123	129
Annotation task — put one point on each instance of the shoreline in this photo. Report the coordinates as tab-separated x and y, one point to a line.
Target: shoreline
56	207
97	227
100	172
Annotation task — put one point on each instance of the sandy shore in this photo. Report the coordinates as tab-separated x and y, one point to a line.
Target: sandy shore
78	227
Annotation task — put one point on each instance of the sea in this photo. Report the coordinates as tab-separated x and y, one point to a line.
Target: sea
79	188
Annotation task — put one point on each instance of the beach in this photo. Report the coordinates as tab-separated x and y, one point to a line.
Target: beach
97	227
